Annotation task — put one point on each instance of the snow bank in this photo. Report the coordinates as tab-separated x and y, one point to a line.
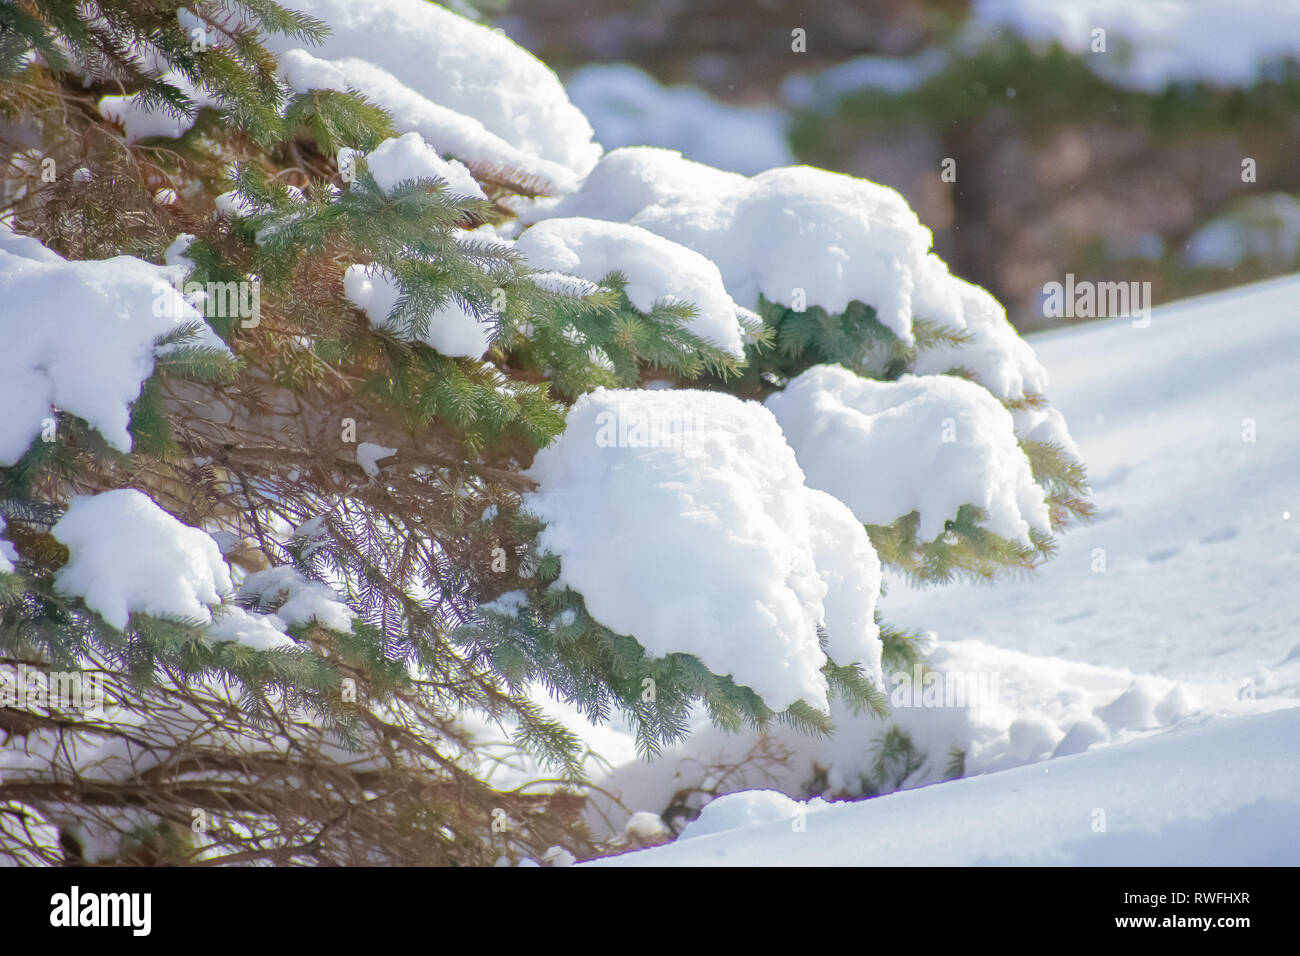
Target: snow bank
1217	794
469	90
684	521
452	329
656	269
127	554
409	157
1219	41
628	107
1000	708
747	808
79	337
928	444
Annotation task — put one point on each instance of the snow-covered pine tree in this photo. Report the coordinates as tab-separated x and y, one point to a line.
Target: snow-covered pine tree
351	394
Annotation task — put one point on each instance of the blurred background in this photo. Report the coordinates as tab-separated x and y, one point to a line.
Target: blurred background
1166	150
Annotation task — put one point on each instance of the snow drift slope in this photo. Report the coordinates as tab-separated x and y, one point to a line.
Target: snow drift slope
1226	792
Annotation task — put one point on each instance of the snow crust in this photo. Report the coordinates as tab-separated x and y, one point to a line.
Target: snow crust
928	444
127	554
684	521
656	269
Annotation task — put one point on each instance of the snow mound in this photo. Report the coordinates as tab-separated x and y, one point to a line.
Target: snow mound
127	554
748	808
928	444
784	234
736	561
408	157
79	337
628	107
467	89
452	329
656	269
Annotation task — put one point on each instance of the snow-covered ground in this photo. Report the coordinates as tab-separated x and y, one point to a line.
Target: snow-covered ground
1174	618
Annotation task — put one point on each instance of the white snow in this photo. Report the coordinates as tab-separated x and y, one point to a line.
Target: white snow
409	157
628	107
79	337
140	121
1217	793
928	444
1227	42
747	808
127	554
296	599
470	91
994	352
1144	685
368	454
735	560
794	234
656	269
452	329
7	553
259	631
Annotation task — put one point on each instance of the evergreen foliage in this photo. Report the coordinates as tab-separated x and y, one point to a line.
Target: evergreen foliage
351	747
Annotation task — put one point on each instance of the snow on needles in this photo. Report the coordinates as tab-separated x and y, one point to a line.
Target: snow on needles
801	237
452	330
928	444
656	269
79	336
683	520
409	157
469	90
127	554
